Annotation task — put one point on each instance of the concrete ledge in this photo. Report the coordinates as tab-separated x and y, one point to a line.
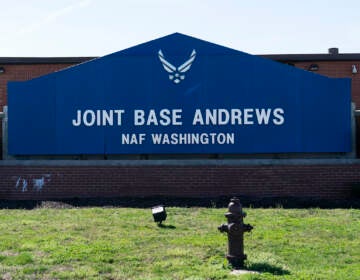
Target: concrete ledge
181	162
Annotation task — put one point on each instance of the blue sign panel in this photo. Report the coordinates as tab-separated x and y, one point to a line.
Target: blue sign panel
178	94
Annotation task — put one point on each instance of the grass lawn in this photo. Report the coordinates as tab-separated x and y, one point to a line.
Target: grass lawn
124	243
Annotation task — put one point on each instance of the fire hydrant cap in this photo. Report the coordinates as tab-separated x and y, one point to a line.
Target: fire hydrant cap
235	206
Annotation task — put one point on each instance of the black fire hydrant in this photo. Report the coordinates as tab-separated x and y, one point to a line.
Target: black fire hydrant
235	229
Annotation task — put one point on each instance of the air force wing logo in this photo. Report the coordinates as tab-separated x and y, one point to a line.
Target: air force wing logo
177	74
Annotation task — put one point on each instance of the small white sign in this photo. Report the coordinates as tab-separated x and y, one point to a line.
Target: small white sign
157	209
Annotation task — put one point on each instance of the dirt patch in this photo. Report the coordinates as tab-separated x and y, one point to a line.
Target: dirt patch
9	254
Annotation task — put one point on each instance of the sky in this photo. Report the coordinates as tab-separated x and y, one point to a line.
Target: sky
43	28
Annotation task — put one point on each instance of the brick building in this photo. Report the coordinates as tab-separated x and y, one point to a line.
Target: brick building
26	68
332	64
304	177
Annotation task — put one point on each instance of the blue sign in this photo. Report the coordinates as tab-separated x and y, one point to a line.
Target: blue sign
179	94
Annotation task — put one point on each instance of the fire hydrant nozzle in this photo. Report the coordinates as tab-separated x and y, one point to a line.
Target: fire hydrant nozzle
223	228
235	229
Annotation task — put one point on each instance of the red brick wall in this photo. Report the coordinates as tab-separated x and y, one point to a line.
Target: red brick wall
301	181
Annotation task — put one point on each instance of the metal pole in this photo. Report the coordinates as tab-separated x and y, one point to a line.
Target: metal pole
353	130
5	133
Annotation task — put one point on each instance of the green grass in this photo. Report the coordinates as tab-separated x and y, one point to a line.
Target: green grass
124	243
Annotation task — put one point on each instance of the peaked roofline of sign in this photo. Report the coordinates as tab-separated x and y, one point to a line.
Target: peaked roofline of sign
211	43
172	35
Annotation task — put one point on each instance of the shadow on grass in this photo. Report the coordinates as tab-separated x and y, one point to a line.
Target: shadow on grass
166	226
269	268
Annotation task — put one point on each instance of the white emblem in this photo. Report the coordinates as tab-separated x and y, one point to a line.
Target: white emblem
177	74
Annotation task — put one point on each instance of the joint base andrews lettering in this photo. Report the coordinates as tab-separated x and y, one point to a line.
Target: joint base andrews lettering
174	117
